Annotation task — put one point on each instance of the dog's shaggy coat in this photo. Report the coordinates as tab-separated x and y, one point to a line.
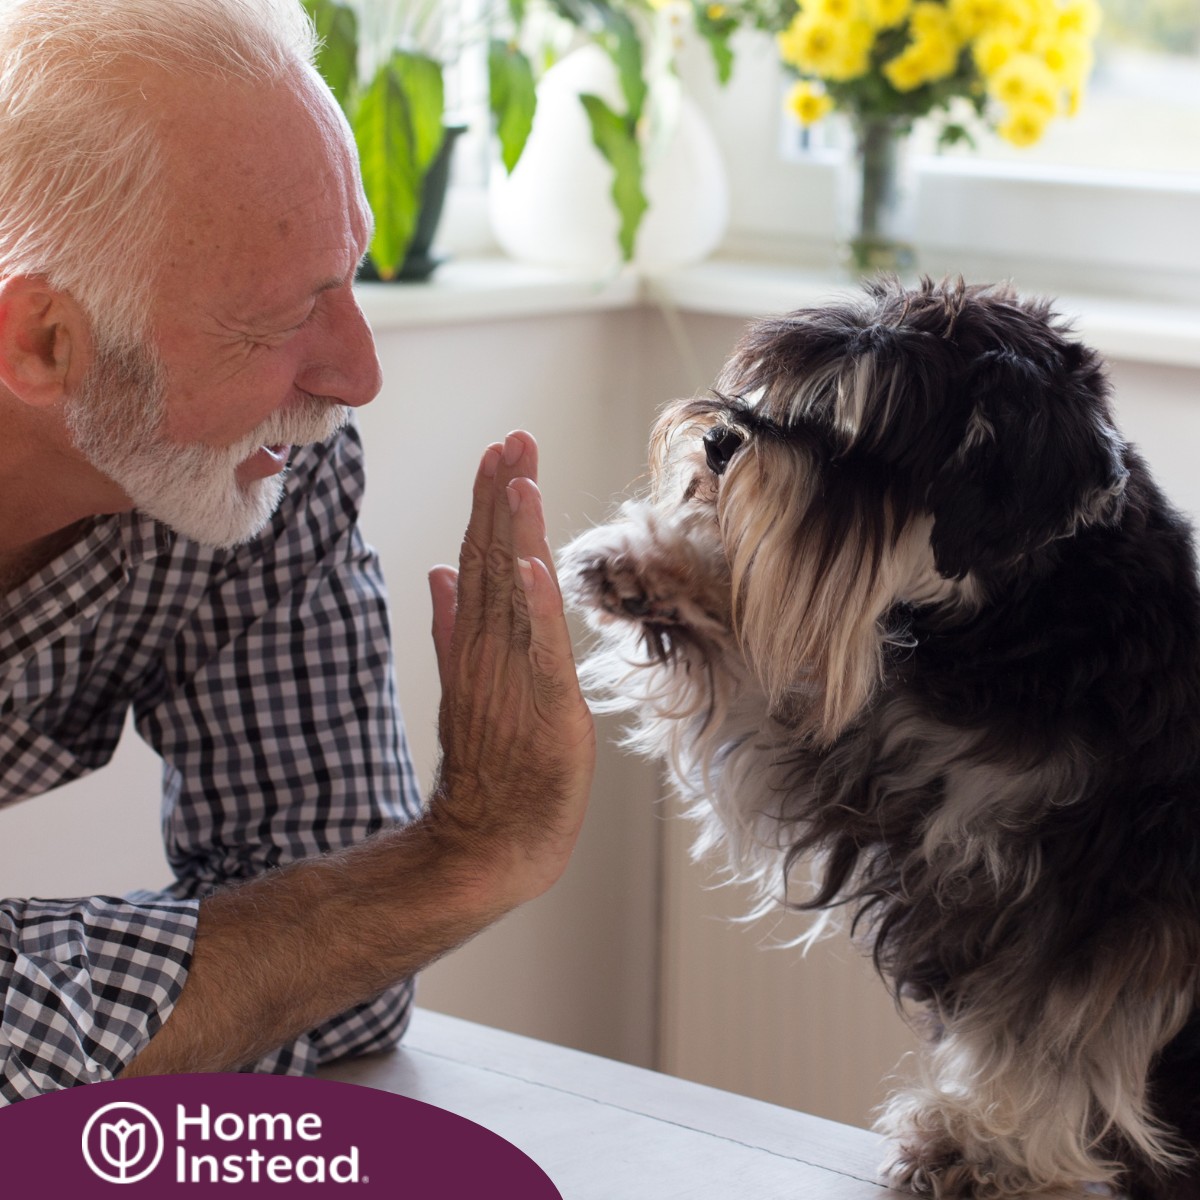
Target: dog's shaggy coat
914	628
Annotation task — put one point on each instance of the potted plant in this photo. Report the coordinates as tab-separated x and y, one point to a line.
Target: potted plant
383	61
626	82
384	65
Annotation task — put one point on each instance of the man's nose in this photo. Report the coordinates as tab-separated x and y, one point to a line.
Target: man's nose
347	369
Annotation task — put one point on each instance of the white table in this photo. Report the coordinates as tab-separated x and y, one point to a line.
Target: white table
603	1130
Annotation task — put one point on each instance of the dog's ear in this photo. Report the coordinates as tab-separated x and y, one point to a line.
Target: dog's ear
1039	459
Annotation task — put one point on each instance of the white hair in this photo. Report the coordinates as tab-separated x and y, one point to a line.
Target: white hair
83	195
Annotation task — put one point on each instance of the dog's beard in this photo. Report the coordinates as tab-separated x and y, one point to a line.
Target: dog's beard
810	564
116	419
817	569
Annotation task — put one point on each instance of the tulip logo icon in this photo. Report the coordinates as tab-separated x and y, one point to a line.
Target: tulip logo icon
122	1143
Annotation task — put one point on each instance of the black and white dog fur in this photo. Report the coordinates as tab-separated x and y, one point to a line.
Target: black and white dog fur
914	627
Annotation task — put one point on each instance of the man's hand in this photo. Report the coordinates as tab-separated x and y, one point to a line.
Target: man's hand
284	952
518	742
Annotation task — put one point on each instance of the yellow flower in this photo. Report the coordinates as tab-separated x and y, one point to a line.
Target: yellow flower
1017	18
715	12
929	17
1080	17
932	53
906	71
860	39
1024	125
819	45
808	103
887	14
992	51
1043	14
1026	82
939	52
798	42
837	10
1070	58
973	17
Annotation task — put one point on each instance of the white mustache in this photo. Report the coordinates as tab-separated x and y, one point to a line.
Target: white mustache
315	420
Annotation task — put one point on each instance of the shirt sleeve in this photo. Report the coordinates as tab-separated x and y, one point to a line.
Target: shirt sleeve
278	721
86	983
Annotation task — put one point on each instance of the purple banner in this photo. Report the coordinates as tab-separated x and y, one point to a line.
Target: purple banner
197	1135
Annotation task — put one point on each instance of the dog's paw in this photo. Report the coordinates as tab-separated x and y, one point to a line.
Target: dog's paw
616	587
939	1170
925	1169
664	576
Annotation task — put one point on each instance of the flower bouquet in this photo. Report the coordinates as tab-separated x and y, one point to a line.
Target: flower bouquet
1013	65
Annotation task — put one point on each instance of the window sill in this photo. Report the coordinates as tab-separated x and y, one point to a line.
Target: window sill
500	289
492	289
1134	329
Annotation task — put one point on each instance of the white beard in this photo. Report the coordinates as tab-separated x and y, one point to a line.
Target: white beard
115	422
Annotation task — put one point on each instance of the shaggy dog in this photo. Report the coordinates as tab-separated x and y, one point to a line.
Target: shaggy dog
907	617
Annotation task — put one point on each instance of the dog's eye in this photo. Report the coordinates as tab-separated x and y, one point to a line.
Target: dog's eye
720	444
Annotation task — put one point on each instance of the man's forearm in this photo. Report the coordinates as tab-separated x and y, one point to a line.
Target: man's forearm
285	952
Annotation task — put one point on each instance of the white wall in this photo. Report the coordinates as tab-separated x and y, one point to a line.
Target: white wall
1158	408
577	966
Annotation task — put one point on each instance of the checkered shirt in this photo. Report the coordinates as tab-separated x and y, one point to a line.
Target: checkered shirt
263	677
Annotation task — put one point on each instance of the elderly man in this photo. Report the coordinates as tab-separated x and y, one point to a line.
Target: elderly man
180	223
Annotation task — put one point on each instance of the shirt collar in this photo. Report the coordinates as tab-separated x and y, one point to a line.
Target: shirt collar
79	582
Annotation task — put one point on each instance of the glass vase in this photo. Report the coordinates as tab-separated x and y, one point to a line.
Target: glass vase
875	203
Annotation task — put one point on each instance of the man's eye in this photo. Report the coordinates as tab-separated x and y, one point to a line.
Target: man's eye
278	336
720	445
308	316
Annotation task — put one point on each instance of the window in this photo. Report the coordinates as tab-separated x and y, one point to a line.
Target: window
1142	111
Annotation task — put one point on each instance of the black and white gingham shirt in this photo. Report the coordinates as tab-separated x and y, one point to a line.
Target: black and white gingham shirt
263	677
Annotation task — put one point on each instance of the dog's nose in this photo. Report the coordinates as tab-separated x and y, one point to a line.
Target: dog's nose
720	443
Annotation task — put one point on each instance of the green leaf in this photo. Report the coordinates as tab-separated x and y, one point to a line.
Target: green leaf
577	12
616	138
717	32
397	126
624	47
421	81
954	134
613	29
722	54
513	99
337	53
384	138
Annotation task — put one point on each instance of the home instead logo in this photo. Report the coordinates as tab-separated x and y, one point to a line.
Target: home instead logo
196	1135
123	1143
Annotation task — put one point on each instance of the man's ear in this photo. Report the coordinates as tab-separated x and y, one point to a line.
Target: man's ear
45	341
